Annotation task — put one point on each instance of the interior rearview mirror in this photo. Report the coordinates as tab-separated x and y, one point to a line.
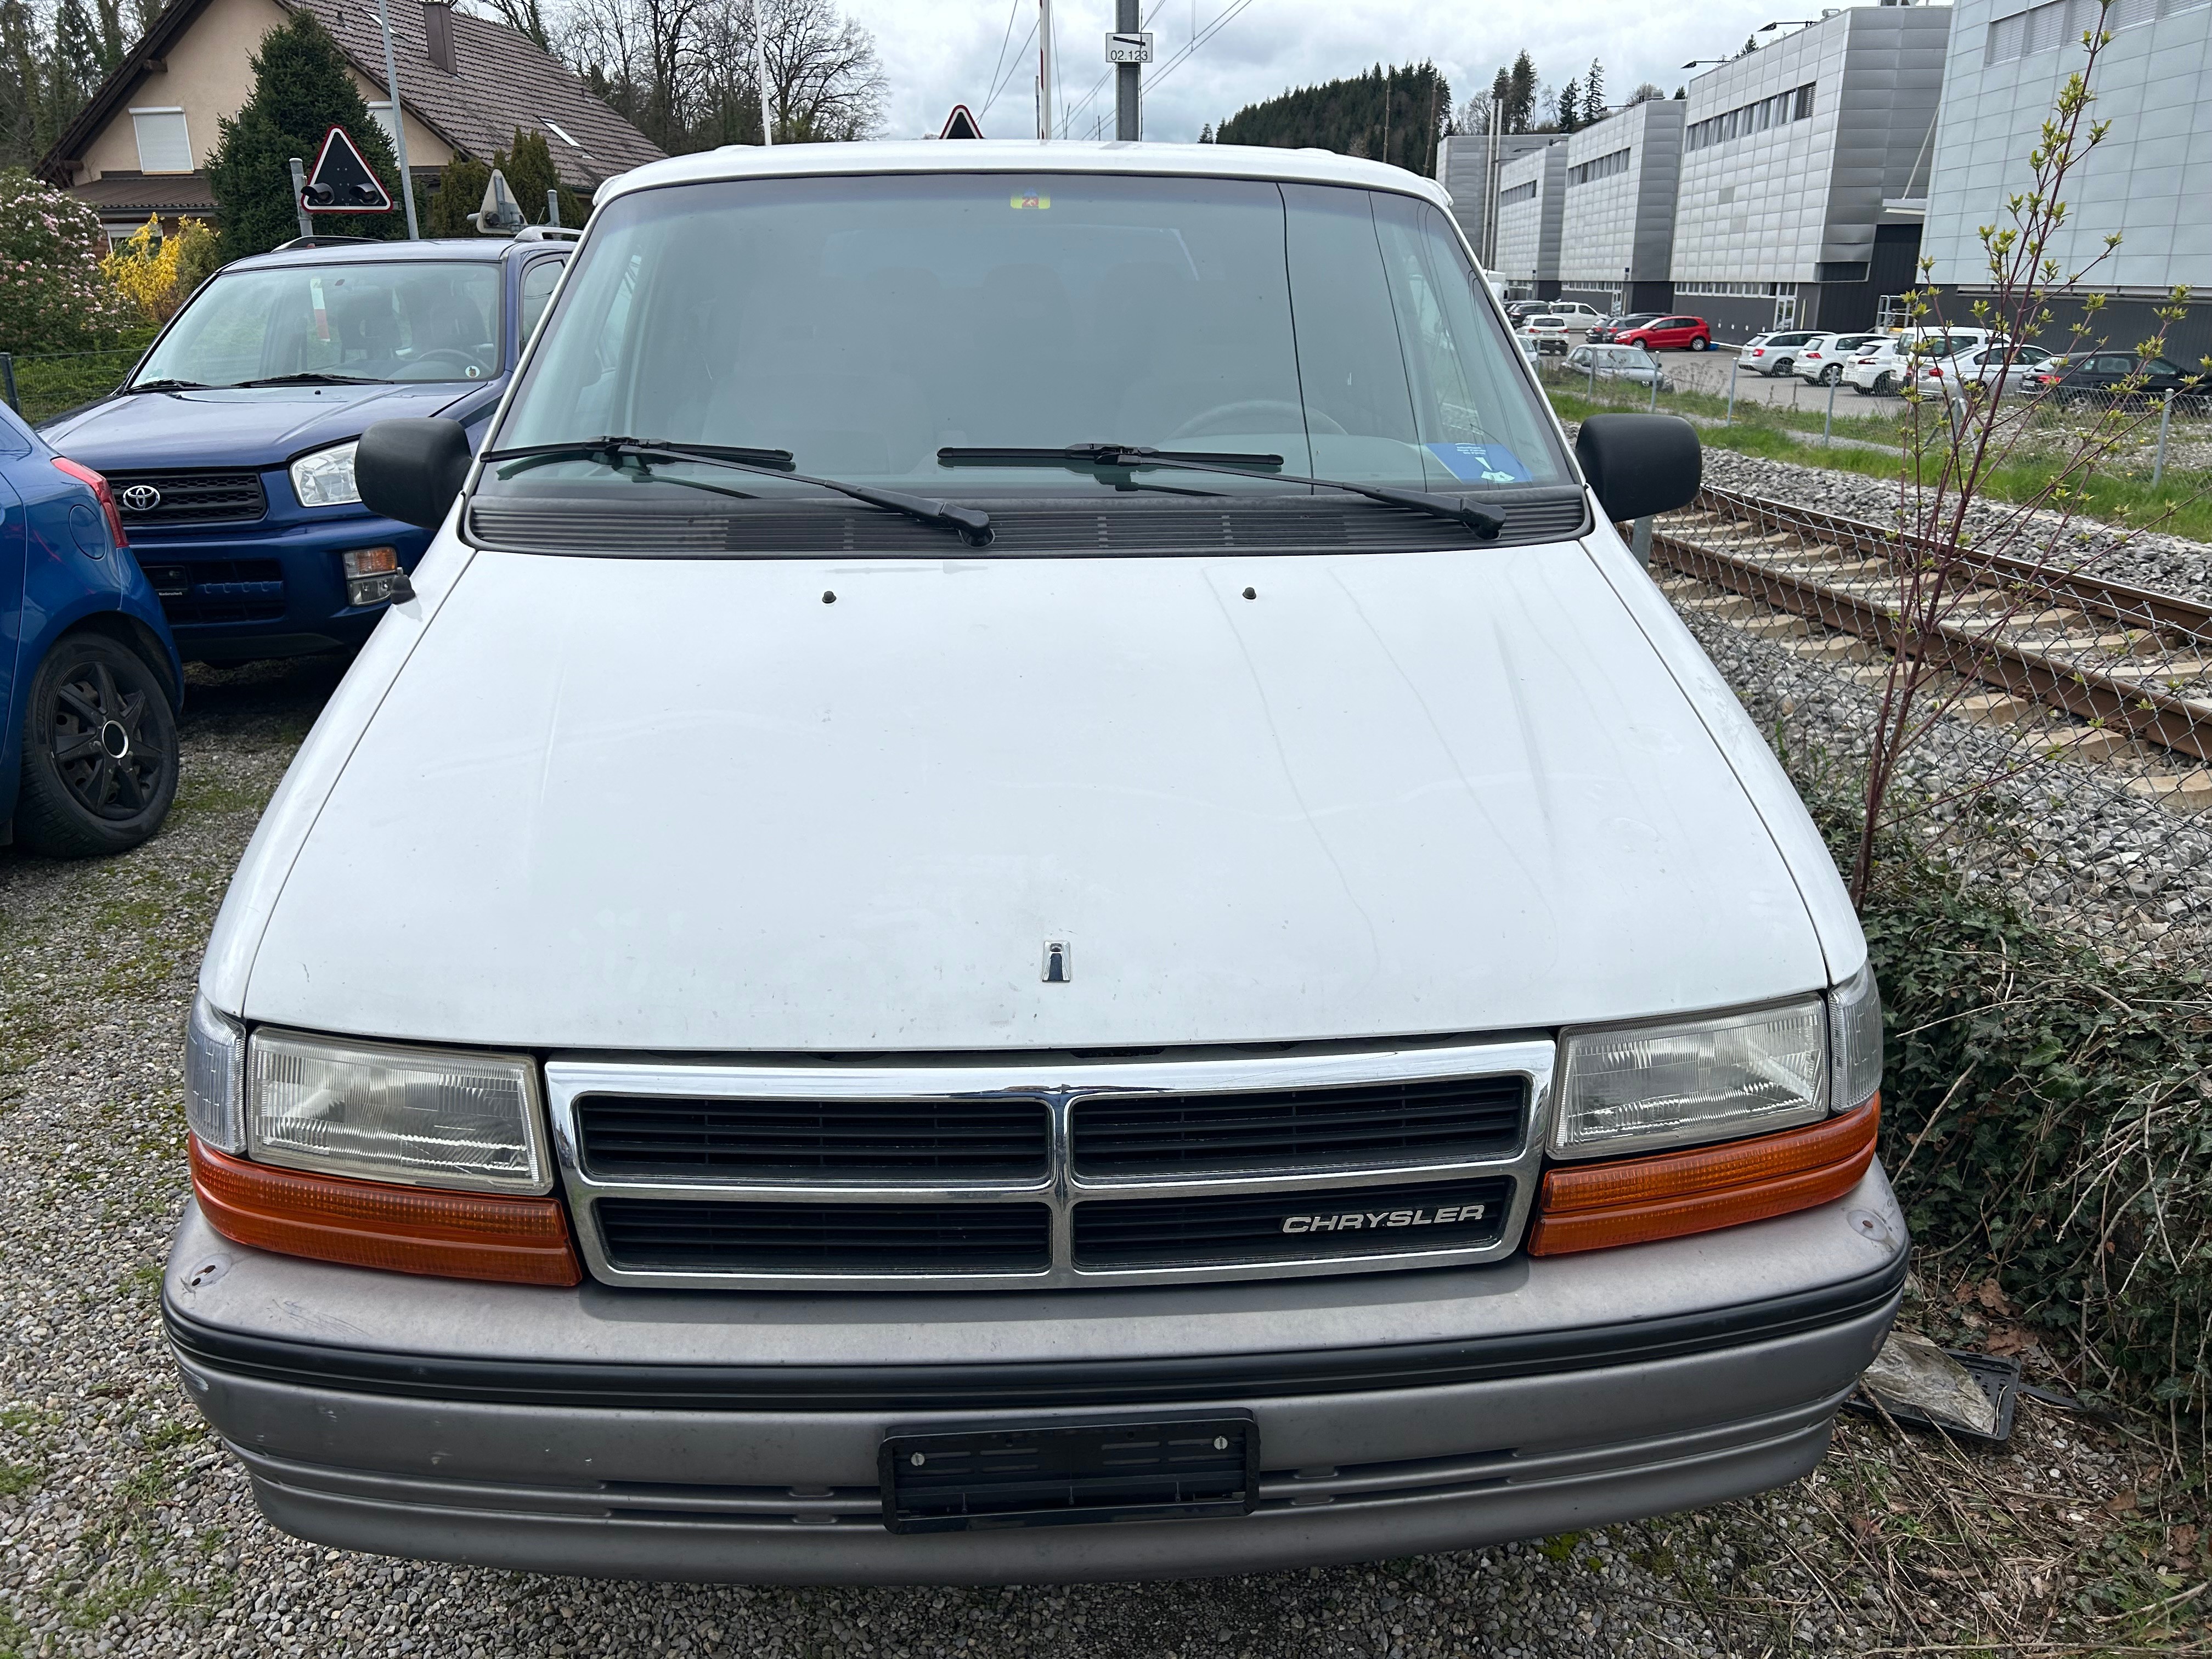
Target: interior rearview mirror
1637	465
412	470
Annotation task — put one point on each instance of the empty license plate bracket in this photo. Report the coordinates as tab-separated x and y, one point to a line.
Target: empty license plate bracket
1061	1473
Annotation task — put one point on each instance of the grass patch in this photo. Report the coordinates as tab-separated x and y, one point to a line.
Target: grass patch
19	1477
210	797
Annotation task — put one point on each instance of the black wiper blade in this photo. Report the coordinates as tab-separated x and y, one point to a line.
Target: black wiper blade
972	525
168	386
1487	522
315	377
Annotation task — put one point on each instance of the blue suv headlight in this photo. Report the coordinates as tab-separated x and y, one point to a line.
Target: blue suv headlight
325	478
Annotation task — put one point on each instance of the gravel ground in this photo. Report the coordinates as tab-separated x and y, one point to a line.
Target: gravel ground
124	1529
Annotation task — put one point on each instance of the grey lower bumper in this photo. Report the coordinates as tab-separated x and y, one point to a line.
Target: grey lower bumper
595	1465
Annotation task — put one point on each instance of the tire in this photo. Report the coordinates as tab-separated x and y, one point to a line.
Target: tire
1882	382
1832	374
99	751
1787	366
1701	346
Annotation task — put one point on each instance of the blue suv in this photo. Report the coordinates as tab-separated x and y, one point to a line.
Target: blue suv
230	447
90	685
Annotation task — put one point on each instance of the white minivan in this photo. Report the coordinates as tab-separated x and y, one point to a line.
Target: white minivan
1028	890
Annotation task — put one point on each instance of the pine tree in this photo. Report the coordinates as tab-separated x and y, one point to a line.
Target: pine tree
527	163
1205	133
1571	108
1594	94
459	193
1521	94
302	89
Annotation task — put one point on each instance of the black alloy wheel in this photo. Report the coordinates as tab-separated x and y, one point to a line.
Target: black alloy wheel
99	751
1831	374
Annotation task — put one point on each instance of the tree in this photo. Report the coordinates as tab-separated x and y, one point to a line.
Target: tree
1392	114
49	65
1646	93
527	166
1521	94
1205	133
1594	94
53	294
1567	114
459	192
302	89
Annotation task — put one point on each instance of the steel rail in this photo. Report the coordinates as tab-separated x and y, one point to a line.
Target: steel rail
2138	607
2173	722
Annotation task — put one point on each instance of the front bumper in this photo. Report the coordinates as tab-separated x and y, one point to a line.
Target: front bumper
705	1436
271	588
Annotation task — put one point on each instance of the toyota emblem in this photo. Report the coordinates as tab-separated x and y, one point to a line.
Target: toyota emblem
142	498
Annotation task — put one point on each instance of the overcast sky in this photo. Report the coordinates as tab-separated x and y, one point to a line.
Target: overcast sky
941	52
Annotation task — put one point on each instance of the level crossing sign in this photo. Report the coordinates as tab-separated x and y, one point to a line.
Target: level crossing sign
961	125
342	181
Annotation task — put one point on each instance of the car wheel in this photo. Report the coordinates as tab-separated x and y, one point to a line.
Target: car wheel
1787	366
1831	374
99	751
1882	382
1701	346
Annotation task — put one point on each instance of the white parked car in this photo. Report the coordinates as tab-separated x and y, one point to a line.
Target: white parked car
1576	315
2004	372
1774	354
1053	872
1821	359
1888	363
1549	331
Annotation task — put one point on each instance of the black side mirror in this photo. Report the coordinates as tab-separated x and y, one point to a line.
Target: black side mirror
1638	464
412	470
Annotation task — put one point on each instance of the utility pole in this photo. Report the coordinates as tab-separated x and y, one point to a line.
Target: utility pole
398	120
760	68
1044	69
1128	105
1490	188
299	195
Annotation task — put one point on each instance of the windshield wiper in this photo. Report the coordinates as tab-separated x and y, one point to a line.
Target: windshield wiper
972	524
315	377
168	386
1485	522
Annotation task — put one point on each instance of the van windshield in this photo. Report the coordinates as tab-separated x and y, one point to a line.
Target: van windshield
864	324
413	320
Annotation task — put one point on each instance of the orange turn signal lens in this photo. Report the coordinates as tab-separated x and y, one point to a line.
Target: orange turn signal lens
371	1224
1633	1200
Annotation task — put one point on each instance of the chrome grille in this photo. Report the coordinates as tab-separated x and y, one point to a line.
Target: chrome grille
1050	1171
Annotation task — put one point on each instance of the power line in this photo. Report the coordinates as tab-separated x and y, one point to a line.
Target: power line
1228	15
1098	86
1013	12
1012	69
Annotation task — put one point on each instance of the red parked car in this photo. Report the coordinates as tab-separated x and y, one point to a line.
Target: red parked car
1669	334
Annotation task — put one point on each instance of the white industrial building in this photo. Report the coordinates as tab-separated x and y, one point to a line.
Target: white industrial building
1617	227
1464	161
2149	181
1800	170
1531	206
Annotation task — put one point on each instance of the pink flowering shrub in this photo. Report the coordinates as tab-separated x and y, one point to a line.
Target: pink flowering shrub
53	295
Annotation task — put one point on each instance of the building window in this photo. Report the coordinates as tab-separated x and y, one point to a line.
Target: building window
1519	193
1781	110
381	114
2063	22
1605	166
164	146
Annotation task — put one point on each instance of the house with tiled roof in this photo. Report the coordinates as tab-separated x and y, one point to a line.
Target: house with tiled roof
466	85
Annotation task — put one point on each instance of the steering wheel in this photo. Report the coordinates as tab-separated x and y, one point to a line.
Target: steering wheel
1218	417
452	354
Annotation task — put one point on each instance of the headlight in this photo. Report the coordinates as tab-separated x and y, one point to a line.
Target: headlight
1647	1086
1855	1039
416	1116
215	1077
325	478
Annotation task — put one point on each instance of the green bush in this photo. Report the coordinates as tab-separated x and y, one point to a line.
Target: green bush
2046	1114
53	295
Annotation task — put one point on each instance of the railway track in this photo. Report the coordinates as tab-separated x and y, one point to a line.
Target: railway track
2132	666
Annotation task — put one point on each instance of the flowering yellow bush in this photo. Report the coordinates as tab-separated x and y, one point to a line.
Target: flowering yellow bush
158	273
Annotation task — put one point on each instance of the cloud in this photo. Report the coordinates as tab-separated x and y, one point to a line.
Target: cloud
942	53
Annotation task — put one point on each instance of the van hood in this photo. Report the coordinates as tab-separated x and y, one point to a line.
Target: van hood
626	804
245	426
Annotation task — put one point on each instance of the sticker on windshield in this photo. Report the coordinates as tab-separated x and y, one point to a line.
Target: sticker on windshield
1029	198
1481	463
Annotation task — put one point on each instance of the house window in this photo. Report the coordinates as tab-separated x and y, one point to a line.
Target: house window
163	144
1517	193
381	114
561	132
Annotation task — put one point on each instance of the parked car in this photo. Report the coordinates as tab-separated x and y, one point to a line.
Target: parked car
1607	332
1775	353
1992	367
90	686
1888	363
1112	991
1667	334
1576	315
1821	359
1548	332
2083	377
1517	309
1618	363
230	447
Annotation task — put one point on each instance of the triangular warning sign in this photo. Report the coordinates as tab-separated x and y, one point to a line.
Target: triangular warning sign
961	125
341	181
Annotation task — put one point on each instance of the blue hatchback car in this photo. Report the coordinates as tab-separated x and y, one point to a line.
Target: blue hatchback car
230	447
90	685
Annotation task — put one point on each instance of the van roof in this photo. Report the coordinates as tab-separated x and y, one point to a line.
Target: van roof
1023	155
